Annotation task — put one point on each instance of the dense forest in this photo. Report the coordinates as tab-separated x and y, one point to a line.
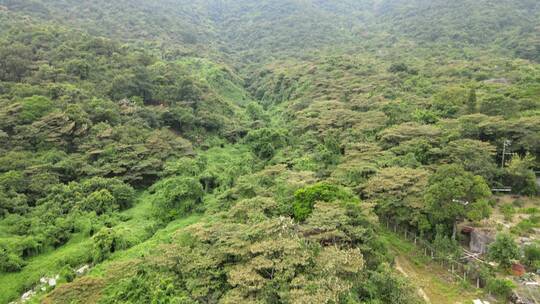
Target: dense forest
236	151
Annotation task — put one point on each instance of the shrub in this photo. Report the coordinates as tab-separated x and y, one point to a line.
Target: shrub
508	211
500	287
532	255
265	141
100	202
35	107
109	240
526	225
123	193
176	196
503	250
445	245
9	261
479	210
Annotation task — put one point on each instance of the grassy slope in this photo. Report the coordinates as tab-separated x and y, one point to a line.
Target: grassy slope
433	279
78	251
50	263
144	248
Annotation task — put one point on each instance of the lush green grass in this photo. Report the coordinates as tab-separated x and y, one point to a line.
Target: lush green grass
144	248
76	252
100	272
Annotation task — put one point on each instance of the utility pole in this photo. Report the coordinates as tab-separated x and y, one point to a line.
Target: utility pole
506	143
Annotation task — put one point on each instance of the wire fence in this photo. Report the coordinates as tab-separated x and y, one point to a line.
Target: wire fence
461	270
466	270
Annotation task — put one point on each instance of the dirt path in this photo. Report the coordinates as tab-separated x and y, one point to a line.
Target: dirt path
420	291
433	282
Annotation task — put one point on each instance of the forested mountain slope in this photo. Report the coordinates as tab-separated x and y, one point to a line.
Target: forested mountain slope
258	30
245	151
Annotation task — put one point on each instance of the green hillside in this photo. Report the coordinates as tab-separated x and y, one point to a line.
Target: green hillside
248	151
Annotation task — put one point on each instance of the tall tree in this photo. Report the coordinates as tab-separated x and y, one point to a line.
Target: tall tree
451	193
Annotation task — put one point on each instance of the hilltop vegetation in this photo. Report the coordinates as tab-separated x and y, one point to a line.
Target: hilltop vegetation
241	151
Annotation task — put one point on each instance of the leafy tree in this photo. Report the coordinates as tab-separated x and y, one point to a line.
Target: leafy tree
475	156
109	240
394	135
265	141
520	175
451	192
479	210
15	61
115	190
135	84
398	67
498	105
398	193
100	202
305	198
175	197
504	250
446	247
33	108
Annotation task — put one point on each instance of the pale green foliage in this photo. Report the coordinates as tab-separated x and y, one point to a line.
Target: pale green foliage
475	156
398	193
521	177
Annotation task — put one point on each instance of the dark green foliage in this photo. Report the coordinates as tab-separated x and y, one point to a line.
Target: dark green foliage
531	255
475	156
452	191
99	202
401	67
15	62
176	196
9	261
109	240
444	245
265	142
